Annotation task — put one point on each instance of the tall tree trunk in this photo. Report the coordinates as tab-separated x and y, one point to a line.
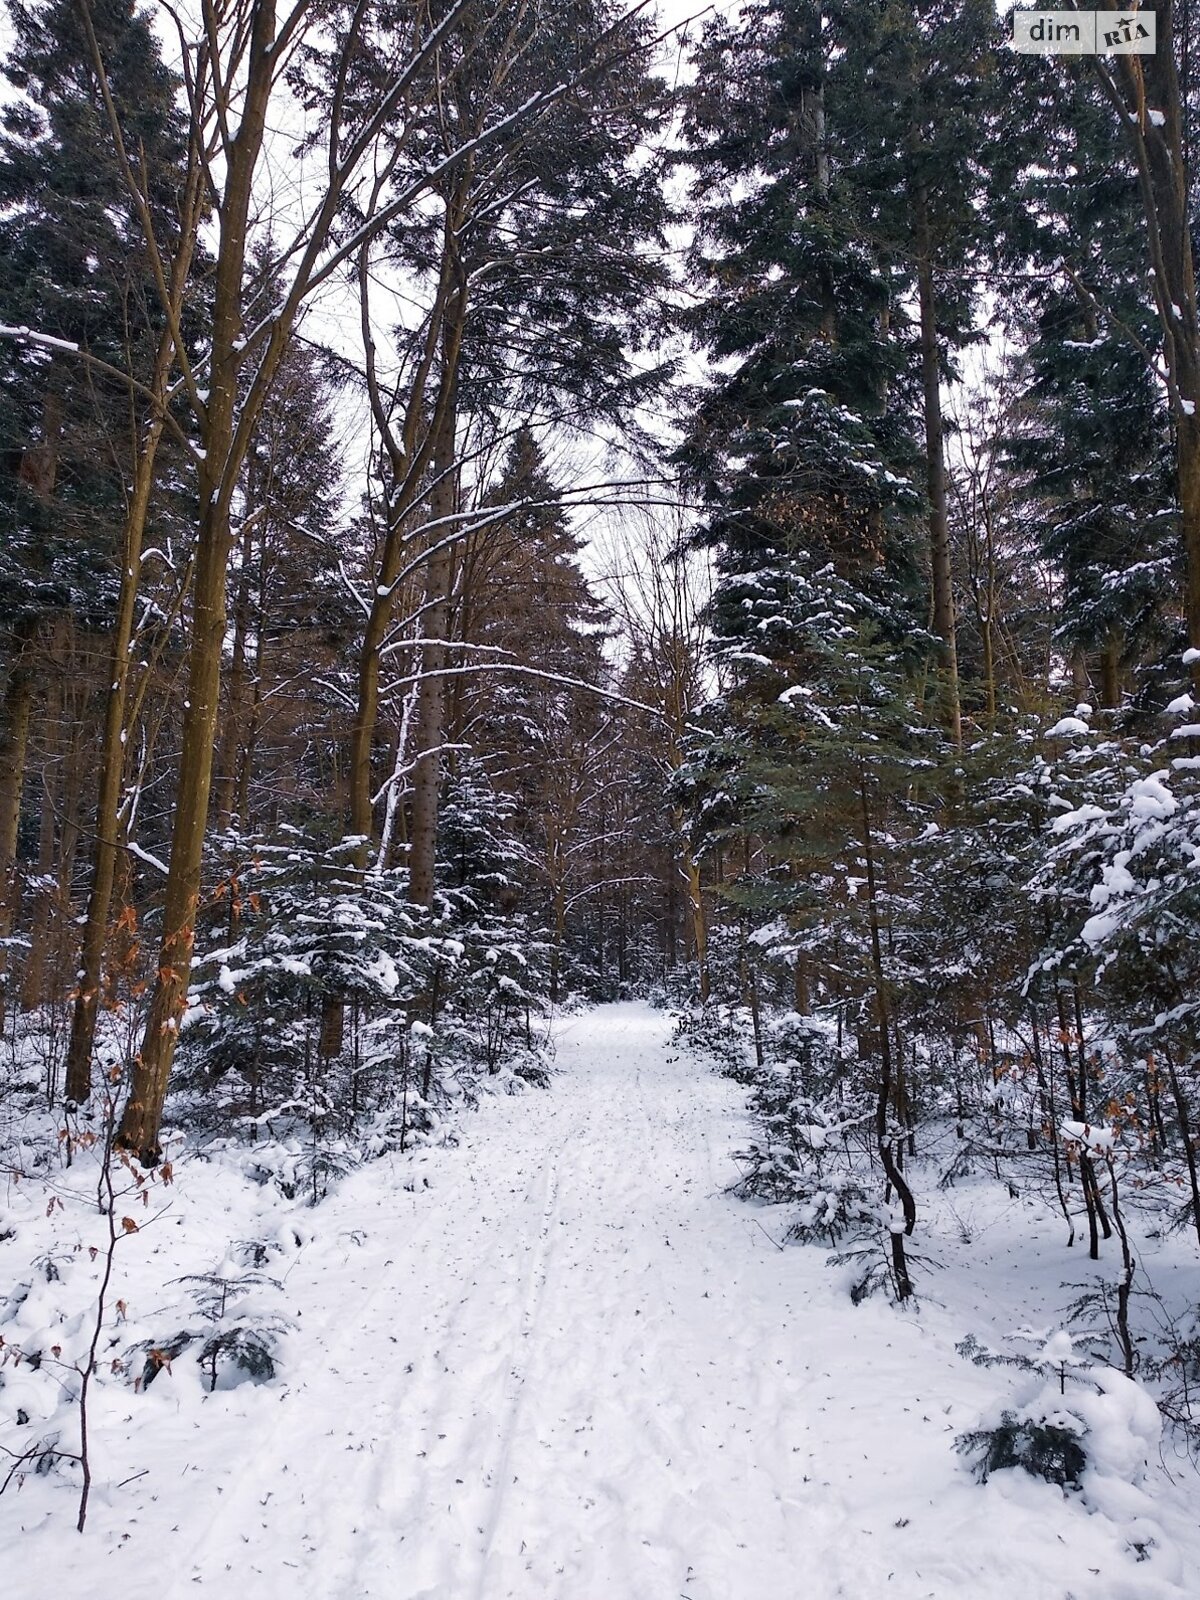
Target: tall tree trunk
112	769
439	588
1146	96
227	784
691	869
14	744
143	1112
1110	674
986	627
431	691
1050	1120
42	921
556	949
225	438
1183	1114
78	761
394	832
1187	447
985	602
941	576
408	457
1080	686
362	737
801	989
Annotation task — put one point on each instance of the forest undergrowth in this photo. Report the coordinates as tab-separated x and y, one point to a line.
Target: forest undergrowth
1106	1339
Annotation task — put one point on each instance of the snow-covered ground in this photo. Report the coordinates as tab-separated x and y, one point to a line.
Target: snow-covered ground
558	1362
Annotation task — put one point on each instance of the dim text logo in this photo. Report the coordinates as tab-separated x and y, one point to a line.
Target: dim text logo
1084	33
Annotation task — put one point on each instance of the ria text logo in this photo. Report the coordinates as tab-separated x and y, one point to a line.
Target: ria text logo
1084	33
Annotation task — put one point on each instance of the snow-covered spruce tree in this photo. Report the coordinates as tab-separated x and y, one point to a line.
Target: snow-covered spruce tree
971	929
1094	482
497	987
292	920
997	1024
792	444
854	136
814	1116
1111	220
72	269
1089	449
798	783
913	115
439	1002
1069	1421
803	448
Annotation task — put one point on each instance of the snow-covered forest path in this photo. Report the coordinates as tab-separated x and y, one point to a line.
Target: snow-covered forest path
559	1362
561	1371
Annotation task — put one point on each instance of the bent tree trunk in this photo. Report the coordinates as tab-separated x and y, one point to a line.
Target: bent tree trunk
887	1152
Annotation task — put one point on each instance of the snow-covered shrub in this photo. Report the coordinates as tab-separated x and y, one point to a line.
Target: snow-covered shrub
810	1152
1070	1420
722	1033
330	1018
303	1167
1049	1445
494	990
808	1157
240	1325
1123	872
828	1209
306	929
